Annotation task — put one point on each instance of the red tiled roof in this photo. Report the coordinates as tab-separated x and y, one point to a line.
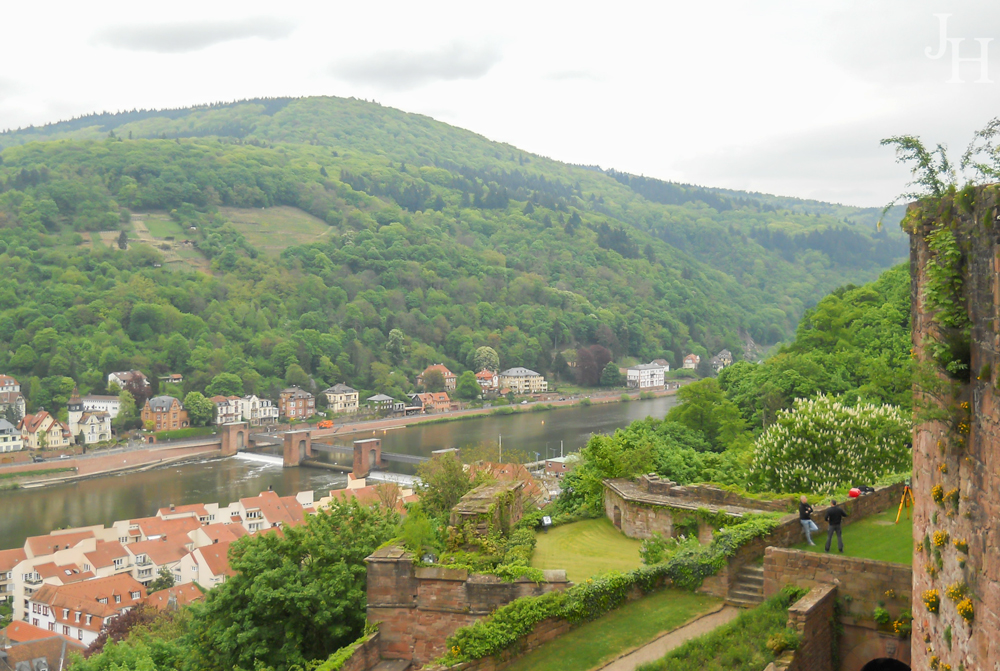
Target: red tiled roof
217	558
219	533
67	573
105	554
22	632
83	597
11	558
438	367
185	594
485	375
7	380
54	649
196	508
46	545
161	551
367	496
155	526
275	509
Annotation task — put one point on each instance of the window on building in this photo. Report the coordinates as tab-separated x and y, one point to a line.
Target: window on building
103	599
77	616
79	634
134	595
89	617
118	598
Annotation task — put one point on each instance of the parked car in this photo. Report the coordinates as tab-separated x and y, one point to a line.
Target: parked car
325	424
37	458
64	456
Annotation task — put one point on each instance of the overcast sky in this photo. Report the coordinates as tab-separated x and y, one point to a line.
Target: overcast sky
782	97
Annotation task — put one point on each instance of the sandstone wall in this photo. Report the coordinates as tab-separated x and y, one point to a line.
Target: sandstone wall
789	533
635	520
418	608
811	616
944	455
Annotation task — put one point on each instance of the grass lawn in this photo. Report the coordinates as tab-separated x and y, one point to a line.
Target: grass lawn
604	639
274	229
164	228
24	474
585	549
875	537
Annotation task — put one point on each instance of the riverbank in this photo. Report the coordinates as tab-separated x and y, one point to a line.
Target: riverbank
480	413
95	466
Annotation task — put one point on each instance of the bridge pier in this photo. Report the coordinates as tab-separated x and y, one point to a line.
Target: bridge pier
234	437
367	455
297	447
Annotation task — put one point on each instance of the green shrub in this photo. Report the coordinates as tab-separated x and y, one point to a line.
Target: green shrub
685	567
749	643
881	616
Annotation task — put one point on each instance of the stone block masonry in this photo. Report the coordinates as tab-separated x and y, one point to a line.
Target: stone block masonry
861	584
956	452
418	608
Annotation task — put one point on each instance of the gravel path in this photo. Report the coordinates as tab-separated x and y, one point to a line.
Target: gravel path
672	639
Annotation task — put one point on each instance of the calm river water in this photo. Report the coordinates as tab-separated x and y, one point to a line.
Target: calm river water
103	500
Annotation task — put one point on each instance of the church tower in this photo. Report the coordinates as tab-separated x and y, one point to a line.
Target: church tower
75	412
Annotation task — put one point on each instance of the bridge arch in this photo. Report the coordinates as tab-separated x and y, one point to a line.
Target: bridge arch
885	664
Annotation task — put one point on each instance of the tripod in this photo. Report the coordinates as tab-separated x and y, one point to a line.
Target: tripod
906	501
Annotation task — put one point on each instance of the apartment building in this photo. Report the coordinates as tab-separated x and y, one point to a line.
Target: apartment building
81	610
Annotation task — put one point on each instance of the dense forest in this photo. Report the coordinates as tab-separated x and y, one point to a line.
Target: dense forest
802	421
451	240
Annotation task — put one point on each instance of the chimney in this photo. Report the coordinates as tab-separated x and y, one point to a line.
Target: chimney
171	507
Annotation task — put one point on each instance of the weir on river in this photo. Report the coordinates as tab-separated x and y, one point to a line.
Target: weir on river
103	500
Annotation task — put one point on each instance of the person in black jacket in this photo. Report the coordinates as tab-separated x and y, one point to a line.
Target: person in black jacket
805	517
834	516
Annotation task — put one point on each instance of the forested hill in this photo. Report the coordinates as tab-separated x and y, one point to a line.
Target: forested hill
374	220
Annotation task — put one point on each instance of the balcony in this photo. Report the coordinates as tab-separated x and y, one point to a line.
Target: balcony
33	580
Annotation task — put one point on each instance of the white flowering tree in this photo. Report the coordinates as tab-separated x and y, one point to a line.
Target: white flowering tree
821	444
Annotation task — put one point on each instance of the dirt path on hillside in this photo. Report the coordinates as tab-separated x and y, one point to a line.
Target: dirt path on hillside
667	642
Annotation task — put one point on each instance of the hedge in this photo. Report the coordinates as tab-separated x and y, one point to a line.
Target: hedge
686	568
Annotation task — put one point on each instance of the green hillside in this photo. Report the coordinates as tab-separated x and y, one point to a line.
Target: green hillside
282	240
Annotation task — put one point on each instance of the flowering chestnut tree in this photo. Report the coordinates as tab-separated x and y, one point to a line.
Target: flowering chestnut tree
822	444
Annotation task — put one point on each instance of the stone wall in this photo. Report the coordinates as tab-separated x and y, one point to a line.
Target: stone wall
637	521
959	460
863	581
862	585
707	495
811	616
365	656
789	532
418	608
544	631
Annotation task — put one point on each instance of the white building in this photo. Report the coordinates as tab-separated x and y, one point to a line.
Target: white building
81	610
10	437
98	403
646	376
127	379
228	409
522	380
95	426
341	398
258	411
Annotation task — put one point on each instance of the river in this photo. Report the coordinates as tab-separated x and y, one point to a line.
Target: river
30	512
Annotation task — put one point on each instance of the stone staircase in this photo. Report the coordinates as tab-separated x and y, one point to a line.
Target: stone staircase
748	590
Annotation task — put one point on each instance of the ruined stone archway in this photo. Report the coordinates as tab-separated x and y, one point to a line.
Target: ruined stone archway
303	450
618	517
885	664
240	441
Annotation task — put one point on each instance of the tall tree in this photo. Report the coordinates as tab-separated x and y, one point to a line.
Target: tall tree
200	410
487	359
468	387
296	596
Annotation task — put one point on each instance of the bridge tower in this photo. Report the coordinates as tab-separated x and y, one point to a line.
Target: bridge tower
367	455
297	448
234	437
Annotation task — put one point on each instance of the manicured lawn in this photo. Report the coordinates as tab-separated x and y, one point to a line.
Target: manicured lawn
585	549
875	537
604	639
